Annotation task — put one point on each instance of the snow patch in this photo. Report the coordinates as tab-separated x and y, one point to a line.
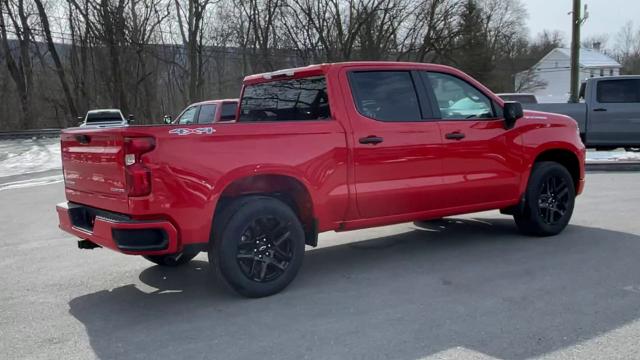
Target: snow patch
25	156
615	155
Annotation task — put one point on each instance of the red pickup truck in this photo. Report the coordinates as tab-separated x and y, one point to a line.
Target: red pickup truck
325	147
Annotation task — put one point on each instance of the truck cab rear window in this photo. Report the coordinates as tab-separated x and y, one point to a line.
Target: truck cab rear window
286	100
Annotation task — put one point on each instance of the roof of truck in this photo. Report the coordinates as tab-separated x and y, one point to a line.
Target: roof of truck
322	68
216	101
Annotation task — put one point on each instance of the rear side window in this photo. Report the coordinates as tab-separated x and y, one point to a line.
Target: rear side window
619	91
286	100
385	95
207	114
228	111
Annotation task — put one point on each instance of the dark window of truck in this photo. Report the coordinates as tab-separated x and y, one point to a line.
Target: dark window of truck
457	99
228	111
385	95
619	91
207	114
286	100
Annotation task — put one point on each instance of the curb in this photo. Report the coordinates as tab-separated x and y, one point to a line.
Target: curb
613	166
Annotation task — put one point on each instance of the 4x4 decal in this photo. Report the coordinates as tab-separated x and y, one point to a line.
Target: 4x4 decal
195	131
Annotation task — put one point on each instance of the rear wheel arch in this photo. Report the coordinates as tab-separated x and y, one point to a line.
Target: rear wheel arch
286	188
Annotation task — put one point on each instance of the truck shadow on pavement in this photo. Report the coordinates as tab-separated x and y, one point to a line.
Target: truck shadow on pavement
457	283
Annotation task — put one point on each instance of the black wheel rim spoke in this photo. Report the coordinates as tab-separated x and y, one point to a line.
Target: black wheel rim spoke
263	270
281	238
553	200
282	255
265	249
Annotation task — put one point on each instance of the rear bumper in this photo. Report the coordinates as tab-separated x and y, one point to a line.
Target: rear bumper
118	232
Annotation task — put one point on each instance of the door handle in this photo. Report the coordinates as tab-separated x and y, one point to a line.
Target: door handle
600	109
371	139
455	136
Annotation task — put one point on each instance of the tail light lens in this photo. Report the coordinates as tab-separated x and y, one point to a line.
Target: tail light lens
138	175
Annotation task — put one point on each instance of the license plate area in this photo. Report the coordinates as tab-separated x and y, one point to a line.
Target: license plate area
84	217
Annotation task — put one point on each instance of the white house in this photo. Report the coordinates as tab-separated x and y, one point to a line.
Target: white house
552	74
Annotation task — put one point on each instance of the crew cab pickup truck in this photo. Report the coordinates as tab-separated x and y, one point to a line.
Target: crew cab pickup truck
609	116
330	147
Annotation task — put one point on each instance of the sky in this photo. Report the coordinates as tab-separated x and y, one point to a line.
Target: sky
605	17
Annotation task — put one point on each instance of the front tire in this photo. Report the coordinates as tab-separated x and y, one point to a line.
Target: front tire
549	200
258	246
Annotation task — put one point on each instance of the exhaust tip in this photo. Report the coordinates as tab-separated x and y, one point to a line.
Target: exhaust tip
86	244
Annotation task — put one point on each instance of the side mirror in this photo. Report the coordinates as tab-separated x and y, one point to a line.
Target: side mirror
131	119
80	120
512	111
167	119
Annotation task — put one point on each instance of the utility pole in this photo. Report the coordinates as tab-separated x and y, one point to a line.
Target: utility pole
576	23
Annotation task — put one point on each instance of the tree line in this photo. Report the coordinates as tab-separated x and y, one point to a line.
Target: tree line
61	58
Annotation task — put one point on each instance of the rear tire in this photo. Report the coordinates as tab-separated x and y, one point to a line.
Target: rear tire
172	260
258	246
549	200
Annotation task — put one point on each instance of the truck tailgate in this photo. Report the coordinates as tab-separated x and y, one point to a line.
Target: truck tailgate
93	167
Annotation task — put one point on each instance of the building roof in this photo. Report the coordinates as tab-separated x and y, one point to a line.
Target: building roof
591	58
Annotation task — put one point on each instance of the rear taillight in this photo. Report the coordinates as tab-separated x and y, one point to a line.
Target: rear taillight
138	175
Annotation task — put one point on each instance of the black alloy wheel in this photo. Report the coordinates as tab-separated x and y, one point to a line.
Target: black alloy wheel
553	201
548	200
257	246
265	249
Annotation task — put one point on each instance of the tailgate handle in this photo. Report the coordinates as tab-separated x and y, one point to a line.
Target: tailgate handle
83	139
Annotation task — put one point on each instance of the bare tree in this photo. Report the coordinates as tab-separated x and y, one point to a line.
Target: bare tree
19	65
44	20
528	81
190	22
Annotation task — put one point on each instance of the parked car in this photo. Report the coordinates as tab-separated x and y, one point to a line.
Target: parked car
609	116
104	117
207	112
522	98
330	147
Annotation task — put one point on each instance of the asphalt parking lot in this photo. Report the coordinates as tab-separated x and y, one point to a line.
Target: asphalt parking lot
468	287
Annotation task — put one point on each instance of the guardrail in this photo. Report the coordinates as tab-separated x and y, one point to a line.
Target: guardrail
25	134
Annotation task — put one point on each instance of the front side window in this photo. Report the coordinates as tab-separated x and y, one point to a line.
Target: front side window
457	99
207	114
188	116
228	111
385	95
286	100
619	91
